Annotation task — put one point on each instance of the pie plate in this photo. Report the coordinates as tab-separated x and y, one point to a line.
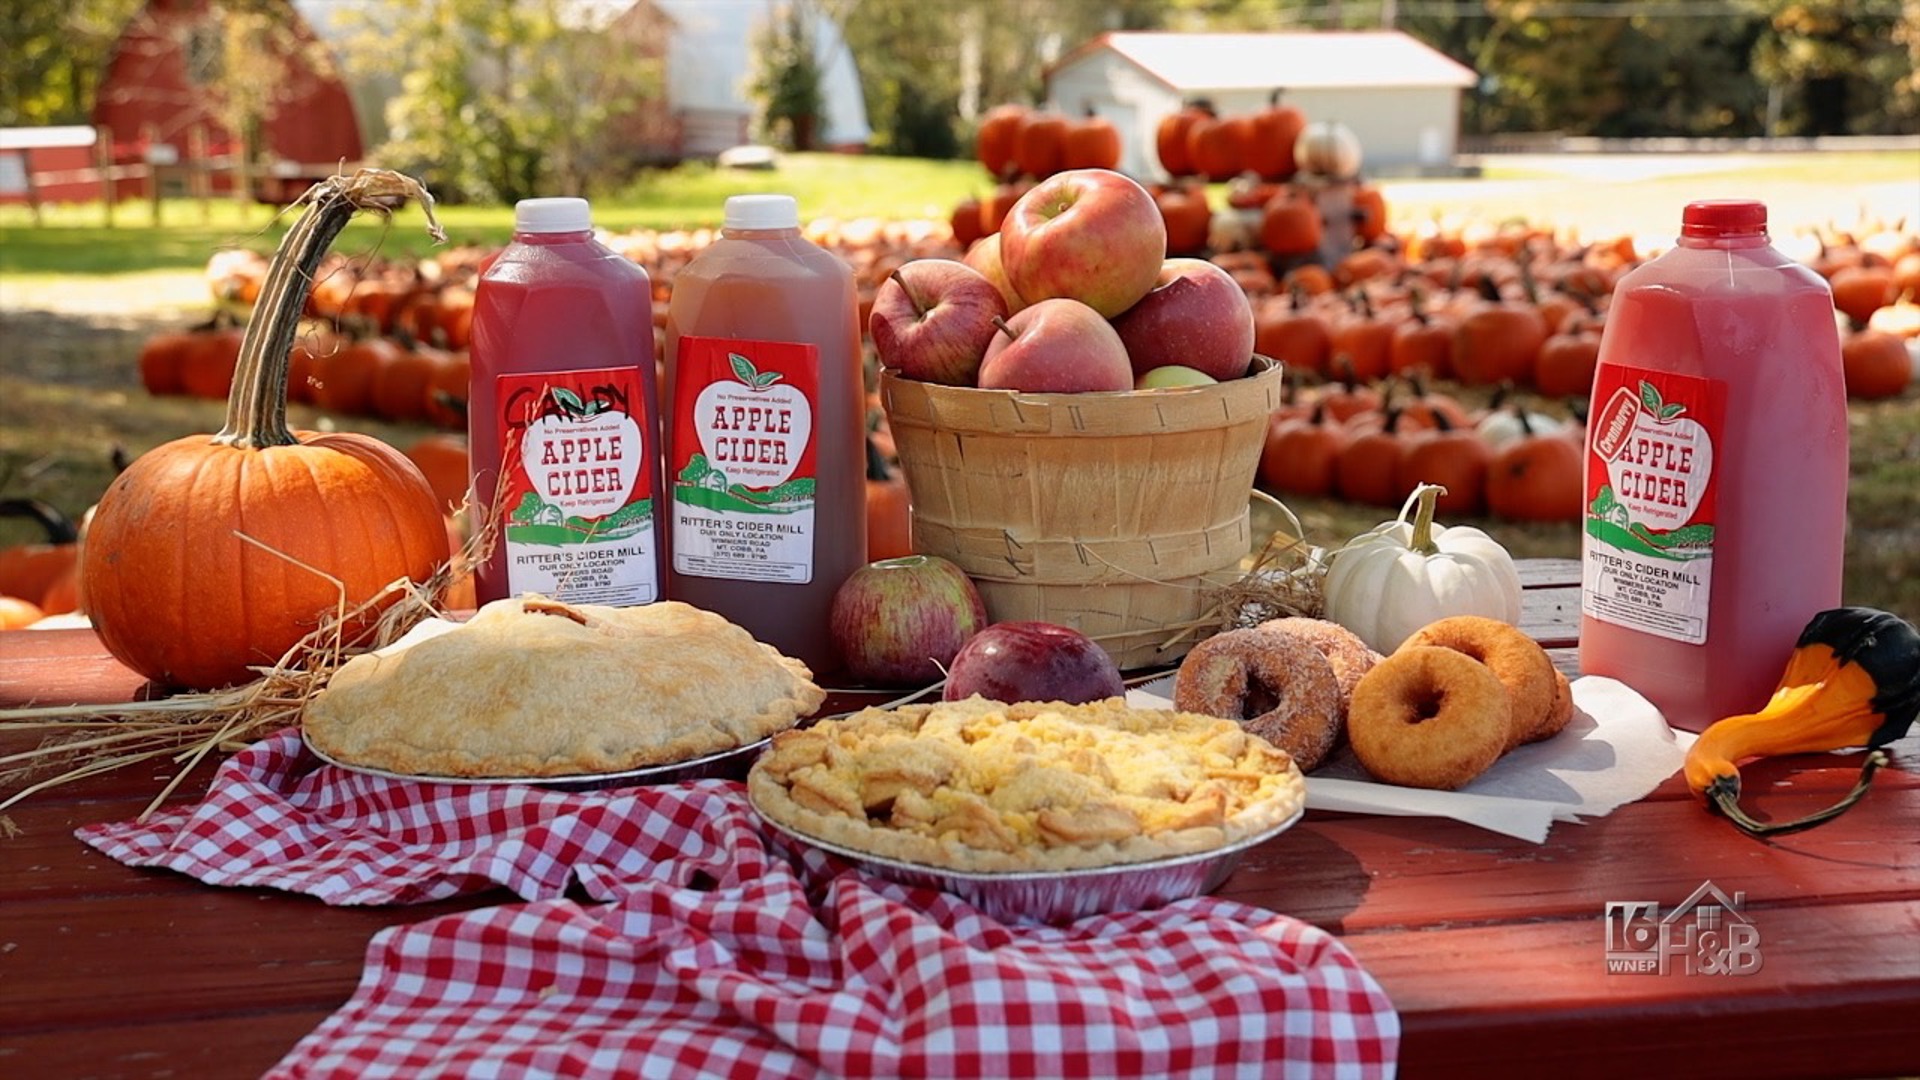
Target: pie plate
1055	896
722	765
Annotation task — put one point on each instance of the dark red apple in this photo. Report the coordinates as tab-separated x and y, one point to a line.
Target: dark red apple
932	319
899	622
1032	661
1197	316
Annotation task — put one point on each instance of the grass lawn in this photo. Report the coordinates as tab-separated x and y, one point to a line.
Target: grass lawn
77	298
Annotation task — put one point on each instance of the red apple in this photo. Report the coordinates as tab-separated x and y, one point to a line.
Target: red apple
1032	661
1093	235
932	319
1056	346
984	256
1196	316
899	622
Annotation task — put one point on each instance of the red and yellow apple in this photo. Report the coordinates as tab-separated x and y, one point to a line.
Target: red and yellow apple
984	256
1091	235
1056	346
900	622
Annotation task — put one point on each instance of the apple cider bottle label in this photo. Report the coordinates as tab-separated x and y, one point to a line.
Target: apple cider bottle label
742	464
1650	491
576	503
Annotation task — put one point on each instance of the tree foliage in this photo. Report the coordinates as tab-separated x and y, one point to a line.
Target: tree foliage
53	54
501	99
786	76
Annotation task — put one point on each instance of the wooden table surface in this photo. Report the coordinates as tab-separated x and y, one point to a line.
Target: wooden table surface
1493	949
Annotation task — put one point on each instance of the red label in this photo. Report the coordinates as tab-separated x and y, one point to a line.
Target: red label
576	502
742	464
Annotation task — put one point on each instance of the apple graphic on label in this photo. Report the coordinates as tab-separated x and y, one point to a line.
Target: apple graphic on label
1675	449
754	428
932	319
1056	346
1196	316
582	457
1093	235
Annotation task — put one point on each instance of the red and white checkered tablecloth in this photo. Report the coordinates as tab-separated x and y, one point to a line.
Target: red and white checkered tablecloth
706	952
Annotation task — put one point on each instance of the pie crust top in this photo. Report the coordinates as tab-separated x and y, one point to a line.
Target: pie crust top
980	786
530	687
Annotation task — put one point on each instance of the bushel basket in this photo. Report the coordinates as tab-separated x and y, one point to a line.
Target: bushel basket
1113	513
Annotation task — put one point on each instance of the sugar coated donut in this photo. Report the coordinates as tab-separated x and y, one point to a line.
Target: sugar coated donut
1281	688
1349	657
1517	660
1429	717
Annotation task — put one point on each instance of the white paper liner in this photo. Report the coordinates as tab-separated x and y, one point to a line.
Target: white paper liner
1615	750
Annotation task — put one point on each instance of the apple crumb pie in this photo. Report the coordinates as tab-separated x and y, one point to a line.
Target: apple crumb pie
977	785
531	687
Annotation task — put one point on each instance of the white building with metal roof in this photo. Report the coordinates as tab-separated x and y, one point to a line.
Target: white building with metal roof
1399	95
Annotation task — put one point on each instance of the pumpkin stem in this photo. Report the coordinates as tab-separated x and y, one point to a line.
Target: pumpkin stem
1725	794
59	527
257	406
1424	496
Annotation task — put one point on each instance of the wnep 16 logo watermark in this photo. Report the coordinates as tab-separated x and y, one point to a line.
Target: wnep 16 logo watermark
1710	933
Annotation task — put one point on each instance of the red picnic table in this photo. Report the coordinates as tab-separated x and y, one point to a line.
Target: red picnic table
1493	949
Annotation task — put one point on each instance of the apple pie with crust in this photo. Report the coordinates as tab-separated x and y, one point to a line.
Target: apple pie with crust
980	786
531	687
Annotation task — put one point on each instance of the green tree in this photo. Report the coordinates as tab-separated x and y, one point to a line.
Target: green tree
786	76
52	56
501	99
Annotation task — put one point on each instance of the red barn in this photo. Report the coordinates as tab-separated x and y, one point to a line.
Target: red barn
159	89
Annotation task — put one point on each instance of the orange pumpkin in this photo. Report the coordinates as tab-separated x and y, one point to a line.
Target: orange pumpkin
1270	141
447	390
207	359
1290	224
1299	454
1187	215
1876	364
1536	477
442	459
1367	469
1454	457
965	222
30	571
1039	149
1859	291
889	523
1292	332
1498	341
1170	137
17	614
399	387
1091	143
343	379
1565	365
999	130
1217	146
175	593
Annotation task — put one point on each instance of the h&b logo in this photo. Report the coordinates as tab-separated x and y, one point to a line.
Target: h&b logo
1709	931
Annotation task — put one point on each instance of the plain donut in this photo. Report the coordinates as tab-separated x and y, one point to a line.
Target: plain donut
1429	717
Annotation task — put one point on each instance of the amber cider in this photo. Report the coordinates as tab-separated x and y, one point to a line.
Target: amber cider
765	426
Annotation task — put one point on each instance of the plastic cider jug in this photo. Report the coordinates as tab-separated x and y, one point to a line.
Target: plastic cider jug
766	462
1716	470
563	416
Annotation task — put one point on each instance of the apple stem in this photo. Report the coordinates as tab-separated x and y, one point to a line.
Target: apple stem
1004	328
918	310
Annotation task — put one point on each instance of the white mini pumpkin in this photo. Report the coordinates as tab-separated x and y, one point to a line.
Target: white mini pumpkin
1399	576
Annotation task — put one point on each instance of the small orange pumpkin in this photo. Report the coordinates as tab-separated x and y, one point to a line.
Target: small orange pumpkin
30	571
999	130
1876	364
18	614
174	592
1536	477
889	522
442	459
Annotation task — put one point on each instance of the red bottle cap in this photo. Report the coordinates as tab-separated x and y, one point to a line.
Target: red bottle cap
1712	218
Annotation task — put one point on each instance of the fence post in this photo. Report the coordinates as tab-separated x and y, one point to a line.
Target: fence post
149	138
198	177
103	161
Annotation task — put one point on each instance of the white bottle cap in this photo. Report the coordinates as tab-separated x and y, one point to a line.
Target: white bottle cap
552	216
761	212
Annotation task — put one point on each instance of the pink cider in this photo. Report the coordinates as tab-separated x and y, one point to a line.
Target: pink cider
1716	470
563	417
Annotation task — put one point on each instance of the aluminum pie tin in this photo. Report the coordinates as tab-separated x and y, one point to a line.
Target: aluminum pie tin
1056	896
722	765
